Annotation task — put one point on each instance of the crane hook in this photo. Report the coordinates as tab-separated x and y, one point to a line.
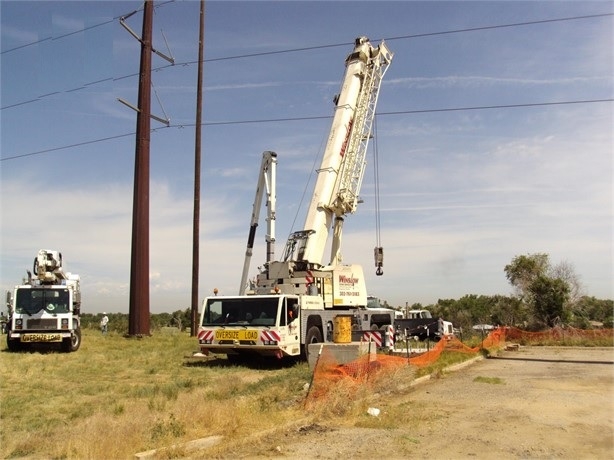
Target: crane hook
378	252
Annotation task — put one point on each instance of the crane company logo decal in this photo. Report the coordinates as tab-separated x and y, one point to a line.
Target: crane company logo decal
343	279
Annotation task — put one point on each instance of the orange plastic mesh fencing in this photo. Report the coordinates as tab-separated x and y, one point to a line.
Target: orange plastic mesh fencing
369	368
330	378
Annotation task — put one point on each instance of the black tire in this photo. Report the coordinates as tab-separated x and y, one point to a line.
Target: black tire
314	335
72	344
12	345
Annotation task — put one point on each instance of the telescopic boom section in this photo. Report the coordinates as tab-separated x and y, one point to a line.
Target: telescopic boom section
266	185
341	172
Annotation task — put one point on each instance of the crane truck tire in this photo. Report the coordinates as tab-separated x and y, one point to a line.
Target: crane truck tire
73	343
314	335
12	345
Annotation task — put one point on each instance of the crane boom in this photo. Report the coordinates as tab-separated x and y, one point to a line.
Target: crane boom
294	302
266	184
343	164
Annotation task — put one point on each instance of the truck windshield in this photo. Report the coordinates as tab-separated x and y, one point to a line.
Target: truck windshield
255	311
31	301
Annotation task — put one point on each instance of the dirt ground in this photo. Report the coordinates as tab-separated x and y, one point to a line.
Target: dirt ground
542	402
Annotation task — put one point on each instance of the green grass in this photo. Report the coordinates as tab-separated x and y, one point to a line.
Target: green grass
446	359
117	396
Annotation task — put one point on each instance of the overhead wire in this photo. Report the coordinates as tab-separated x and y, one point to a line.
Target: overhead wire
289	119
292	119
290	50
68	34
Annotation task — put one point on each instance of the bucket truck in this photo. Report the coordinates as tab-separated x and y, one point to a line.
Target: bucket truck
293	301
44	311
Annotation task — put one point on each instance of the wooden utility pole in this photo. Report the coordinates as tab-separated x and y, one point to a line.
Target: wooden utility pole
138	321
196	221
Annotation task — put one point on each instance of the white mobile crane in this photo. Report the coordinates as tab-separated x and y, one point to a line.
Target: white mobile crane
293	301
45	310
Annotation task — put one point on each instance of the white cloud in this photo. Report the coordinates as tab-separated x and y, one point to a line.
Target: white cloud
461	193
20	35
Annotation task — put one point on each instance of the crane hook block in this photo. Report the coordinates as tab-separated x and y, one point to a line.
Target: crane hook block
379	260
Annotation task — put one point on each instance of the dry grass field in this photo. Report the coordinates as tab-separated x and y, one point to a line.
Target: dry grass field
117	397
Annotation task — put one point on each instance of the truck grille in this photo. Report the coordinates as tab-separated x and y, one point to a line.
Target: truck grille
42	323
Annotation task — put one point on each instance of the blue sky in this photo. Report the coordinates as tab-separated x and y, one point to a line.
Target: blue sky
462	192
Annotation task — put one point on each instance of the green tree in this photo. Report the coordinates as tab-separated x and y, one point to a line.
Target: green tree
588	309
510	311
549	298
523	270
549	292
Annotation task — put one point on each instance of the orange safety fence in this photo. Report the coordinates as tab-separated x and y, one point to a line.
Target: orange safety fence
328	372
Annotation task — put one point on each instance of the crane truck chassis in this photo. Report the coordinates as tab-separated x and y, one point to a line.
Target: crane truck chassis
283	325
44	311
293	302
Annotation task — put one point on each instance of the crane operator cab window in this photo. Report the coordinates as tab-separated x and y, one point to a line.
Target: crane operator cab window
296	245
290	311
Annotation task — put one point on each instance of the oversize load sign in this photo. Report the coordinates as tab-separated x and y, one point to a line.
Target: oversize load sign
41	338
236	335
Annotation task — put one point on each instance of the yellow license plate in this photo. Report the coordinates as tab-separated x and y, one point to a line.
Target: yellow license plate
41	338
244	334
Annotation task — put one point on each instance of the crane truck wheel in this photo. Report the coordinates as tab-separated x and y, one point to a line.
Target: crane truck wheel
314	335
73	343
13	345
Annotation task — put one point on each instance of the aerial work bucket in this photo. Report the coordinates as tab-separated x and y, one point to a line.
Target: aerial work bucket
342	329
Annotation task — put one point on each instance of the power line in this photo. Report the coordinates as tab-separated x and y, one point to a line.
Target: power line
500	26
405	37
500	106
79	144
295	50
293	119
68	34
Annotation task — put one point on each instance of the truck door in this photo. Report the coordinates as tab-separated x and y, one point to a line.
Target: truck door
290	323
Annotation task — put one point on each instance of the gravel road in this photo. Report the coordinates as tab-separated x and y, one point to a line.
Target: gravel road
535	402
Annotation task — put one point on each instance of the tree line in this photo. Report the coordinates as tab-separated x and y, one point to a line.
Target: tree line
118	322
545	296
